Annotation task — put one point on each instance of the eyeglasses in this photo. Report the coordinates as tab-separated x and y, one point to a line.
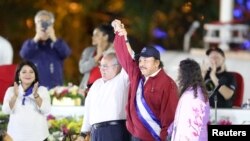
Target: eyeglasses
106	66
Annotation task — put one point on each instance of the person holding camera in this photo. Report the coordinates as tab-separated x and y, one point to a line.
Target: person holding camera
46	51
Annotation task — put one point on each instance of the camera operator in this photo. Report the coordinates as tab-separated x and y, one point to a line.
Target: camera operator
46	51
44	26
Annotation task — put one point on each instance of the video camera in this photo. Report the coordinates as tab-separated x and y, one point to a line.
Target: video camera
45	25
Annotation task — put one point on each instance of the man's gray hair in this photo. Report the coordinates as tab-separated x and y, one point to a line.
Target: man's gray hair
113	56
44	13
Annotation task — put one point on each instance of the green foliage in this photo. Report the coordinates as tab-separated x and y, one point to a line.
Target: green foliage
64	128
66	124
4	119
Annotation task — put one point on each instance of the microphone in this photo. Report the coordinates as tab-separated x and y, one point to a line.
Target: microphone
213	92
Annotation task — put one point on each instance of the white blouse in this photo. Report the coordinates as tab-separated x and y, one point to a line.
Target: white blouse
27	122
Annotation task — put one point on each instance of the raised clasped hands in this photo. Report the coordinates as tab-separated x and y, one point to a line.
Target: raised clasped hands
117	25
119	28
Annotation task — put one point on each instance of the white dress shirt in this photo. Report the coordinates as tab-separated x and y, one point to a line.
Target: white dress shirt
106	101
27	122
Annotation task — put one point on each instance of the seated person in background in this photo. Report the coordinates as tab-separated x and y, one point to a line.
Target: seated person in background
6	52
28	104
218	81
104	115
102	41
46	51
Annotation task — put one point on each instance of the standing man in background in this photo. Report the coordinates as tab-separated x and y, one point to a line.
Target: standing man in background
46	51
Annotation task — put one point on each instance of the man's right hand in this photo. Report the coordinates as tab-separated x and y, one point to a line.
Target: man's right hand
119	27
80	138
116	25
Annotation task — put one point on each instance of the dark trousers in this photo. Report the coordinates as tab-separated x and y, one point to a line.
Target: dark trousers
117	132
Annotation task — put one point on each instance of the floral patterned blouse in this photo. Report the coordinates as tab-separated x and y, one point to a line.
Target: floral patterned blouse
191	118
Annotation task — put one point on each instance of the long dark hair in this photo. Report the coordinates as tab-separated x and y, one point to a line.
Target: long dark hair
107	29
20	66
190	77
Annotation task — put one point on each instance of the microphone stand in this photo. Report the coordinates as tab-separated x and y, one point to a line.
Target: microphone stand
215	108
215	102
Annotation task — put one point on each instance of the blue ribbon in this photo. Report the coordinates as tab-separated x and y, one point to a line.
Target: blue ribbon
27	93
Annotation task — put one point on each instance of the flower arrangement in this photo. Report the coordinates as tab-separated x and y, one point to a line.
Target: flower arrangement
65	91
60	128
222	121
66	95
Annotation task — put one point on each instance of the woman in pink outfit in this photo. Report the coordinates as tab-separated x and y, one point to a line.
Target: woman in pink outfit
192	113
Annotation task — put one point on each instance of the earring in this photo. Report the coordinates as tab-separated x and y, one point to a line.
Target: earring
20	81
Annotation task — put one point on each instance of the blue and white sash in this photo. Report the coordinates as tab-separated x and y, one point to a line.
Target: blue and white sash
145	114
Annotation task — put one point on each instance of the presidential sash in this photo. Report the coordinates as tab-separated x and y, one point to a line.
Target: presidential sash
145	114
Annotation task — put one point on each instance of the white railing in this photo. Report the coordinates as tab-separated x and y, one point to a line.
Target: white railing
225	33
